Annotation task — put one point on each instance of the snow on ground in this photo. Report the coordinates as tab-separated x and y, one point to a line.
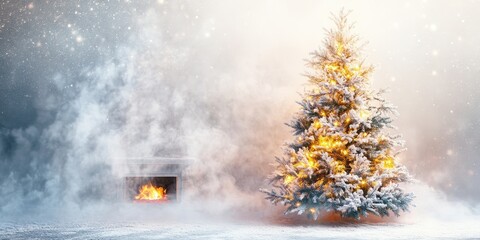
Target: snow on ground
434	217
427	230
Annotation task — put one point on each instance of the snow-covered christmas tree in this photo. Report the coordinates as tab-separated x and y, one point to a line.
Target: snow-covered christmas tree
343	157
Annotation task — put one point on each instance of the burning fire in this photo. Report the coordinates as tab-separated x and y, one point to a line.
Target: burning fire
150	192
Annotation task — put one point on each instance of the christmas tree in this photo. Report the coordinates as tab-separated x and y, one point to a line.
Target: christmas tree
344	157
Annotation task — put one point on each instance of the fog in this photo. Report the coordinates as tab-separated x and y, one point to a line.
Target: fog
87	86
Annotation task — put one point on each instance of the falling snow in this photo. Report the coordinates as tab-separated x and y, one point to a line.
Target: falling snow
220	78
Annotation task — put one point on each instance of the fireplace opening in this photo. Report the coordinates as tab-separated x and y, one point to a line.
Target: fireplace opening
151	189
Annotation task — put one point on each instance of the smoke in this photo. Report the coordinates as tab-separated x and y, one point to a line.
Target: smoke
215	81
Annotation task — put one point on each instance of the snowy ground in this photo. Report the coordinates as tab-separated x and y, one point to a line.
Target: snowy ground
240	231
433	218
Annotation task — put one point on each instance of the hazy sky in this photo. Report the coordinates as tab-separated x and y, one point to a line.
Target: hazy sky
83	83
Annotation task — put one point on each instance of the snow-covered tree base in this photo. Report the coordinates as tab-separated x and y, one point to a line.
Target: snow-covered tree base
312	202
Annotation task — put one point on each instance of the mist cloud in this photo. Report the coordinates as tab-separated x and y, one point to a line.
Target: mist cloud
215	82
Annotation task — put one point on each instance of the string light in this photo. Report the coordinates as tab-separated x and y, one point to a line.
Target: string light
347	120
364	114
310	160
300	164
311	163
339	167
328	143
288	179
302	175
331	67
356	68
389	163
339	47
363	183
346	73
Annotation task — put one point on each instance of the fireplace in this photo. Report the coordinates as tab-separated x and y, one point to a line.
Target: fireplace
154	180
145	189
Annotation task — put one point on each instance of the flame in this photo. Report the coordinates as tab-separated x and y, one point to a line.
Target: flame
150	192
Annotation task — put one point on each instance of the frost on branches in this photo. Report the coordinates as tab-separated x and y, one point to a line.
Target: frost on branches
342	158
